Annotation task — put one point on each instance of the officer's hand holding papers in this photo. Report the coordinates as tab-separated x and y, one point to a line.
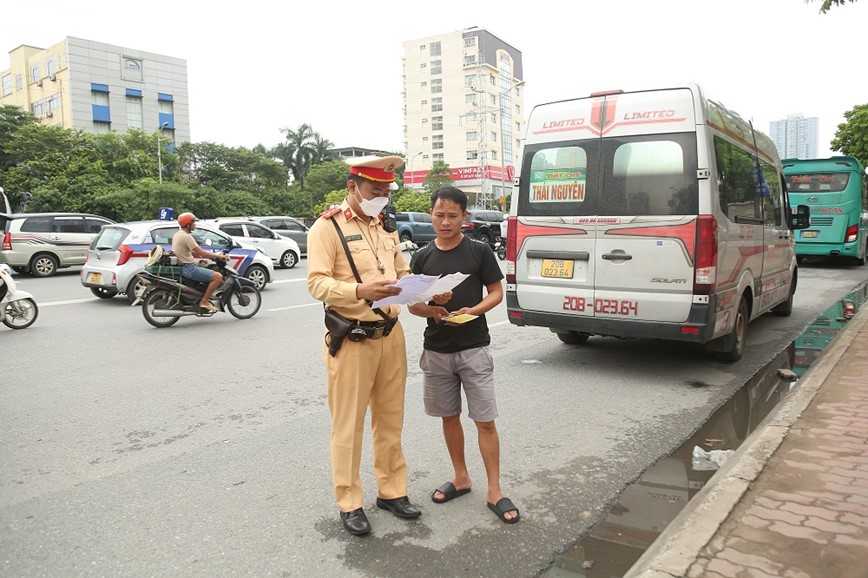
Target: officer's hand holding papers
421	288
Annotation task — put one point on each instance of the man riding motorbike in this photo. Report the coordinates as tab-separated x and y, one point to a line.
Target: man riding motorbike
186	249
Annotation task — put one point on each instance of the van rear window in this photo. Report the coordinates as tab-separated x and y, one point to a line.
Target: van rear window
642	175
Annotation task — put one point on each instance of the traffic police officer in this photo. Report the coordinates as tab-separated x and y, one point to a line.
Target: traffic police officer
370	370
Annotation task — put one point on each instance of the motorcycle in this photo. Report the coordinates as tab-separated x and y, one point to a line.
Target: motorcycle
18	309
168	297
500	248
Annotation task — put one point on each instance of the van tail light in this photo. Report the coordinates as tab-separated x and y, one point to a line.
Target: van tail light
125	255
705	277
851	235
511	247
7	242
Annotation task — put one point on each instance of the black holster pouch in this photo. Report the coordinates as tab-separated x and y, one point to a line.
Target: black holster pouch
338	326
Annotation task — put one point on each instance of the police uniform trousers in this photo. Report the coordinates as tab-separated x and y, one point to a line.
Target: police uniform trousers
368	373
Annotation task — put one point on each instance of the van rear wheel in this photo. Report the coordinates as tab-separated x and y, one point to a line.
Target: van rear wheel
573	337
733	344
43	265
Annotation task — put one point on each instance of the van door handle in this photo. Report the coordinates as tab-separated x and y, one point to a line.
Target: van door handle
611	256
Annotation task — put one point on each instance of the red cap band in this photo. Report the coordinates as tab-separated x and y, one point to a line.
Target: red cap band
373	174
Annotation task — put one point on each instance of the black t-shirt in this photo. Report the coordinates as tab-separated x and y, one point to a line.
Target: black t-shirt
472	257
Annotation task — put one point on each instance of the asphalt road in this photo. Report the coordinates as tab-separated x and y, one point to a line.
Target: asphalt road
202	449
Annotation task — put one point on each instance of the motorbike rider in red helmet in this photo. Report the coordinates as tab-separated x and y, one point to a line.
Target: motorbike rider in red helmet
186	249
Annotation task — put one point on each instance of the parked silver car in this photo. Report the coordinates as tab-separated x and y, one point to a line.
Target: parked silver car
42	243
287	227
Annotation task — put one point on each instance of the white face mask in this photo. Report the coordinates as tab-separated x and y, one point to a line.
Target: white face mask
372	207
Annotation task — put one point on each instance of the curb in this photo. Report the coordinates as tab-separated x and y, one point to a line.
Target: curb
680	544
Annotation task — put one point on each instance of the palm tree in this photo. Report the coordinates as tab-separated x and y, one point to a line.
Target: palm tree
322	150
299	146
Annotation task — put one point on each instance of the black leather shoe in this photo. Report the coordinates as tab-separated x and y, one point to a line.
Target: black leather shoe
356	522
401	507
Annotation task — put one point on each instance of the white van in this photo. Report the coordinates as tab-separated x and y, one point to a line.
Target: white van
652	213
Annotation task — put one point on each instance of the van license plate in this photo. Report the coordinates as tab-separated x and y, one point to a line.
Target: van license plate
557	268
809	234
94	277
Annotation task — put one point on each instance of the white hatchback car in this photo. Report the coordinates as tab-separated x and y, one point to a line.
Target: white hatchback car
282	250
120	252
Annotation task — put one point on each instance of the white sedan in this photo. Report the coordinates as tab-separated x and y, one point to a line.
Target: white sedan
282	250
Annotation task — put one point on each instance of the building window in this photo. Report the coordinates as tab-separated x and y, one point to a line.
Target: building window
493	136
135	117
437	141
436	123
434	49
424	139
470	117
424	83
35	75
101	127
437	104
471	135
7	84
436	85
492	99
517	110
491	79
436	67
50	66
423	65
493	117
494	155
470	41
469	59
437	157
472	155
470	98
424	102
518	127
470	80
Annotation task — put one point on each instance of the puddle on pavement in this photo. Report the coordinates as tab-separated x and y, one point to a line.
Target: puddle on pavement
644	509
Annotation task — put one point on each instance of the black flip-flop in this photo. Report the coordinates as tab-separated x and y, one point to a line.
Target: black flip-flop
449	493
503	506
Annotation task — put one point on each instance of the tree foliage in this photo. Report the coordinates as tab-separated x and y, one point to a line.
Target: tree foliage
826	5
851	138
117	174
438	176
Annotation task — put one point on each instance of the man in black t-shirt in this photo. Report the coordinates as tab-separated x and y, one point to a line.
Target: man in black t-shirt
456	351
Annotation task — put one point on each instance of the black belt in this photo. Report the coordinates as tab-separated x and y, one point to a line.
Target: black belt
362	330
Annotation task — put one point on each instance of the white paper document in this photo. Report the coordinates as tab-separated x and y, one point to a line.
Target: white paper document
421	288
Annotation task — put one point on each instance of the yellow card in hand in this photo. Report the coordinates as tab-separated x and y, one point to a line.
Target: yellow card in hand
463	318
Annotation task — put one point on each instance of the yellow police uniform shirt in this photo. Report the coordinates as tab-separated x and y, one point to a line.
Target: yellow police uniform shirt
330	278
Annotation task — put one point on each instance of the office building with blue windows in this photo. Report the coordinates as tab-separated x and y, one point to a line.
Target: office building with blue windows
97	87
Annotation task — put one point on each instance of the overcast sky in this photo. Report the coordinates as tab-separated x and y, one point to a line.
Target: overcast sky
336	65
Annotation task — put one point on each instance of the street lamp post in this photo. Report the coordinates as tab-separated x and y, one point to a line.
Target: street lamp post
410	166
502	160
160	151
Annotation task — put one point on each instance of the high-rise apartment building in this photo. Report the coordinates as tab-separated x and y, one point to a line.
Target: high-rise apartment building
97	87
796	137
463	106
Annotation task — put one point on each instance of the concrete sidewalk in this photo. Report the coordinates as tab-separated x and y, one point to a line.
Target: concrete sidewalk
793	500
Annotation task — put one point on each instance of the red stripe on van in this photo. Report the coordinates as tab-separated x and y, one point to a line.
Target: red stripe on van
685	233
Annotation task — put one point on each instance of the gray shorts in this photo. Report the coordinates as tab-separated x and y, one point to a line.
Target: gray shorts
445	373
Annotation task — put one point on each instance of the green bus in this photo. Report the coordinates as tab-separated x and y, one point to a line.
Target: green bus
836	190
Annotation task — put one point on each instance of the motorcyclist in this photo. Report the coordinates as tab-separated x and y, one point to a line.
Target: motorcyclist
186	249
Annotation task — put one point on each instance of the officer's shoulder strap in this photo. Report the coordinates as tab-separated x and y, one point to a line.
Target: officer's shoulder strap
329	213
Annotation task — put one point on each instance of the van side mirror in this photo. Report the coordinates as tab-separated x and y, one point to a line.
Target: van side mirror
802	218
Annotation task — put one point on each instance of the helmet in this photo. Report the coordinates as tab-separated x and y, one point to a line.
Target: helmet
185	219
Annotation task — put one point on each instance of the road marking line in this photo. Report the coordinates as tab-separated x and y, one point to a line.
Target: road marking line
68	302
287	281
294	306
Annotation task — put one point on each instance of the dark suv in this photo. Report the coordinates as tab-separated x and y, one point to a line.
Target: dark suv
483	225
